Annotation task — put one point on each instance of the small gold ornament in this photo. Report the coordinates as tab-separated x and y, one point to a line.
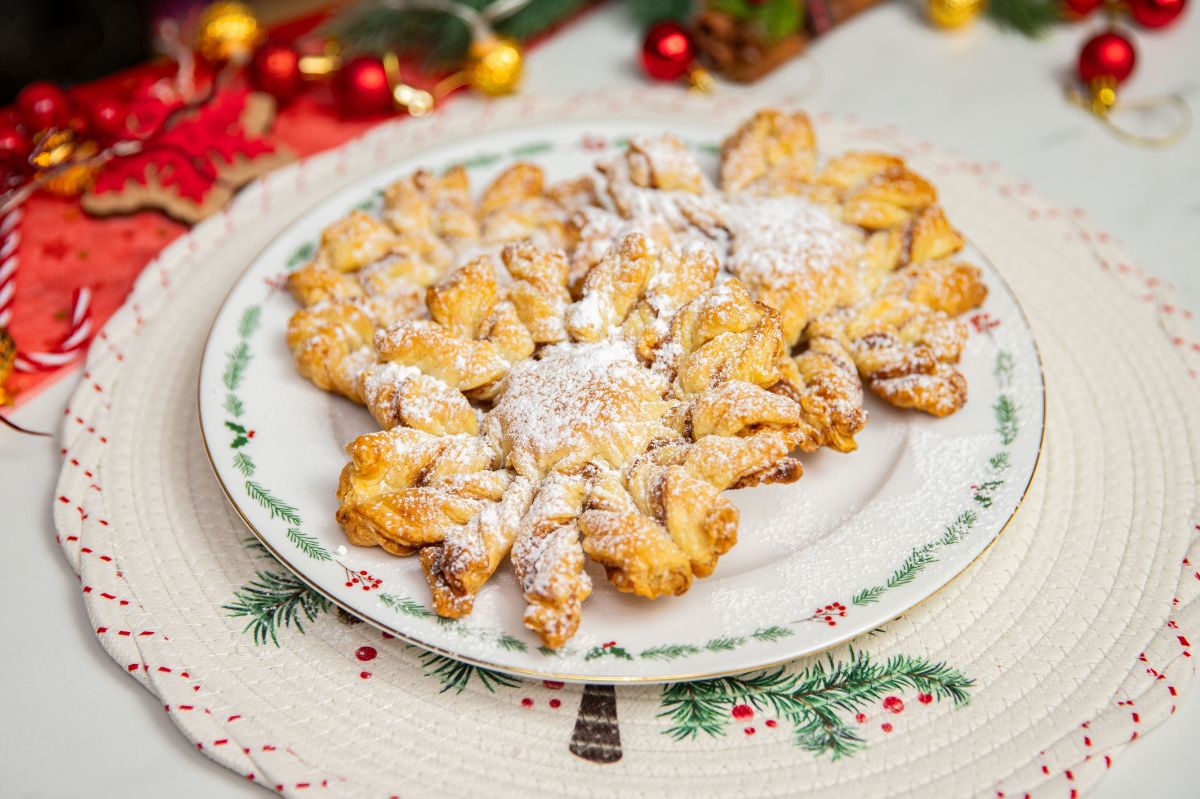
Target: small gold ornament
54	158
701	81
495	66
8	357
228	31
417	102
950	14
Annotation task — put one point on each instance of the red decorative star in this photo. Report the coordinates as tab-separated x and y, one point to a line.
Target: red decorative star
57	248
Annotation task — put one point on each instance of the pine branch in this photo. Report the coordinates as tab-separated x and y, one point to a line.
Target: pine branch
1029	17
277	508
649	12
814	701
254	545
868	596
441	40
694	708
957	530
457	675
244	464
771	633
303	254
506	641
999	462
1004	367
235	365
916	562
249	321
234	405
308	544
1006	419
724	644
669	651
406	605
272	600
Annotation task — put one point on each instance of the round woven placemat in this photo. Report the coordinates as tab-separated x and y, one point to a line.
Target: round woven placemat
1026	675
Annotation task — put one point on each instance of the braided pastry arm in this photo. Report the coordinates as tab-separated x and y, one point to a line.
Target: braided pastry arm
469	555
404	488
400	395
723	335
472	338
637	553
331	343
771	153
539	291
424	205
548	559
903	350
516	206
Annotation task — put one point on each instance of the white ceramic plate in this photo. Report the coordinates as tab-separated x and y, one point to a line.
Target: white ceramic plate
858	541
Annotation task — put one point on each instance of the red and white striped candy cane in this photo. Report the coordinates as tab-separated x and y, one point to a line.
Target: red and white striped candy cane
80	331
70	347
10	237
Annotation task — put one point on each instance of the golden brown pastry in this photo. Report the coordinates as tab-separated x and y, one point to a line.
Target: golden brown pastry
629	357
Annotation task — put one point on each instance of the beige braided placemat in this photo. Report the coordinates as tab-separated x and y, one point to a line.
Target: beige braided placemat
1026	675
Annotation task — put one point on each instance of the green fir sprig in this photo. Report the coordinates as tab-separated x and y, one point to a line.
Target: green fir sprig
814	701
456	675
1006	419
276	507
406	605
273	600
440	40
308	544
1029	17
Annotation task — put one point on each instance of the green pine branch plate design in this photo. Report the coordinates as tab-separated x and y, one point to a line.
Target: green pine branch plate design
861	539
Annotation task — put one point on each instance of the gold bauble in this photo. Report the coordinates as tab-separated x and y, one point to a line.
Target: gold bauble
950	14
64	165
228	31
495	66
8	357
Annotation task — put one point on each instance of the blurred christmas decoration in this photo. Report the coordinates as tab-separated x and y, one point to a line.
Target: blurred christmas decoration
951	14
479	41
192	166
275	69
228	31
441	33
744	40
668	51
1155	13
1105	62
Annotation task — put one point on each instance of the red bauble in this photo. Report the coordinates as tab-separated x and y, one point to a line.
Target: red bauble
275	69
15	147
1078	9
361	87
1155	13
43	105
107	118
1107	55
668	51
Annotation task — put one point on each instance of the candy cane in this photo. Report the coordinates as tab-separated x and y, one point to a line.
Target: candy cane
69	348
10	237
81	306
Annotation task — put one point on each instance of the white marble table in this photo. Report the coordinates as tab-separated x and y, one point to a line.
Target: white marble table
75	725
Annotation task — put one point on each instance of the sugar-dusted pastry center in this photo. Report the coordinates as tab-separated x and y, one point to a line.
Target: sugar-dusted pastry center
775	237
577	403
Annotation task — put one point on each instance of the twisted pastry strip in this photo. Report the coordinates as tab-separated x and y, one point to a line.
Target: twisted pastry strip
548	559
638	554
470	553
404	488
